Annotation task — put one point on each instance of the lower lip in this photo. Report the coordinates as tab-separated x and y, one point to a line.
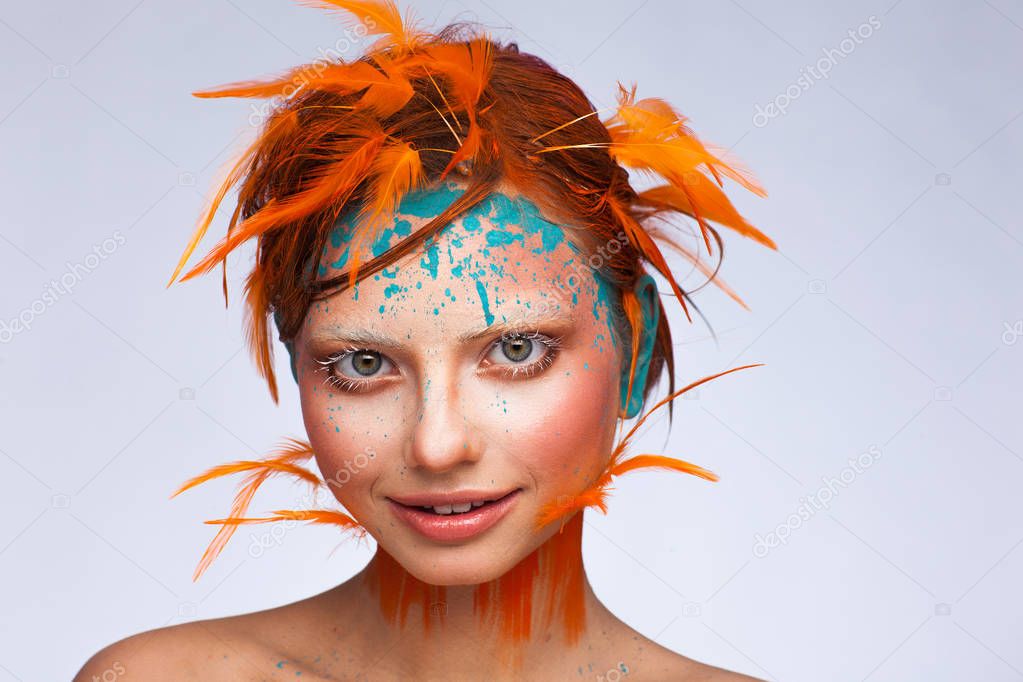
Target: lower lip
455	527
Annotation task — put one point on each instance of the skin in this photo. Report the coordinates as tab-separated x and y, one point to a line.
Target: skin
447	400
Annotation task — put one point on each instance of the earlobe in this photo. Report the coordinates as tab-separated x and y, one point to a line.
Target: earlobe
650	306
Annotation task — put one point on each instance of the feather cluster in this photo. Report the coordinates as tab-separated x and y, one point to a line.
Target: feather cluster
285	461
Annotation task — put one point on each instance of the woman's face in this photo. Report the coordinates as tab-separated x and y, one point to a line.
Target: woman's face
480	368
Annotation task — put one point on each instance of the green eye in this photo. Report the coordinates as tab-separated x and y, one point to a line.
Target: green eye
517	349
366	362
359	364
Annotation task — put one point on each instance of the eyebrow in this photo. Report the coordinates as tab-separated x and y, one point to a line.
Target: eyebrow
372	338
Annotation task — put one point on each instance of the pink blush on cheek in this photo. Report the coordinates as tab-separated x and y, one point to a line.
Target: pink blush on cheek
560	429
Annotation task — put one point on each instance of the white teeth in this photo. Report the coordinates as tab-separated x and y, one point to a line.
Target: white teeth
462	508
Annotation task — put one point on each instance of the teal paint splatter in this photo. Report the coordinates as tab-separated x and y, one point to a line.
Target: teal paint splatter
429	203
484	302
503	238
432	259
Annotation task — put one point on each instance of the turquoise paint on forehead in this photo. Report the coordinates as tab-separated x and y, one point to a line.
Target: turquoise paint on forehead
503	221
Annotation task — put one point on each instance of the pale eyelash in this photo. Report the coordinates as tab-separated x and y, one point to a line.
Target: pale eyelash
513	371
350	385
341	383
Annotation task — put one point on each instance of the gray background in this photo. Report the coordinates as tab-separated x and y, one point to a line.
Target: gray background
892	318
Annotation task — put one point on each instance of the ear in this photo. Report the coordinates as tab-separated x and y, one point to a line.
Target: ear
650	304
290	345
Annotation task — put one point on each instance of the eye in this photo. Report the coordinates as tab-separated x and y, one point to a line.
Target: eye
523	353
355	368
363	363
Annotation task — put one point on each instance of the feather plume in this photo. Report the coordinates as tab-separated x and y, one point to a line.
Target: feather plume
639	238
388	88
714	205
397	170
285	461
650	136
653	122
329	186
315	516
379	17
694	258
278	128
467	68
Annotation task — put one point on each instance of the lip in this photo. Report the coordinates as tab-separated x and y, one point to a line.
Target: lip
451	528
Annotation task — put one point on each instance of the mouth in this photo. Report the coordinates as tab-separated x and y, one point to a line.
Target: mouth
453	517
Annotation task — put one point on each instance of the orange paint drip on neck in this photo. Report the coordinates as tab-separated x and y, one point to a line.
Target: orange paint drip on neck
545	589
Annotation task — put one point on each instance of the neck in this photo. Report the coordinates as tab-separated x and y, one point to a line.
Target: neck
542	604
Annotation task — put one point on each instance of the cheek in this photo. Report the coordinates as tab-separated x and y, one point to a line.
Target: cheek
353	440
561	430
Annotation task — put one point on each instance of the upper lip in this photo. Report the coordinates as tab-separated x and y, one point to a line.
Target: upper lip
453	497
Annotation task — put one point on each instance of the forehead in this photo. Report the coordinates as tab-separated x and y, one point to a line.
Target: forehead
500	262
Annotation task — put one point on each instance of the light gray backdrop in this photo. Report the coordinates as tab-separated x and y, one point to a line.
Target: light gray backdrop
891	325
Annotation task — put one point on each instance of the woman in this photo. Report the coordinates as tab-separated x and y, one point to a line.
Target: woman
456	261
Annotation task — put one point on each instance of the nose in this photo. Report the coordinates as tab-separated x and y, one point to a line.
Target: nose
443	438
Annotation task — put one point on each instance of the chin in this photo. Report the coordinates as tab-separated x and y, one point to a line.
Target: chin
467	564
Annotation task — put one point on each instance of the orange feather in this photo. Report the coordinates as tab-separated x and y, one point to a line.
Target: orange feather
697	262
648	247
288	454
397	170
388	87
379	17
330	186
714	205
467	68
595	495
277	129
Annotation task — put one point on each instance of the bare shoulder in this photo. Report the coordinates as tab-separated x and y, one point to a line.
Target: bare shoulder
173	653
664	664
236	648
659	663
652	661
